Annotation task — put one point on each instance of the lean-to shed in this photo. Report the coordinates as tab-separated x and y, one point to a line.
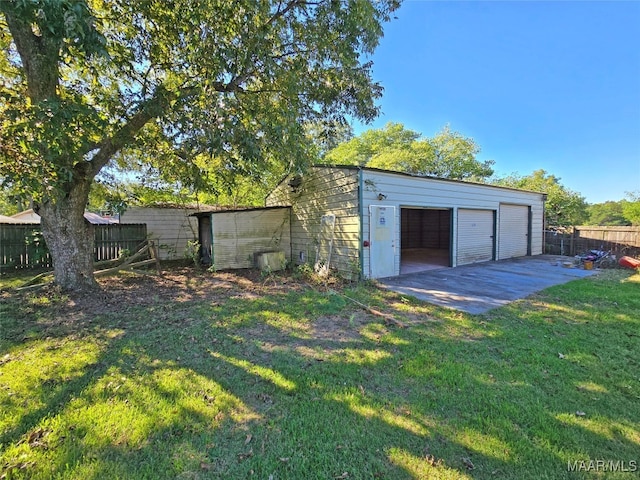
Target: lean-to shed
376	223
231	239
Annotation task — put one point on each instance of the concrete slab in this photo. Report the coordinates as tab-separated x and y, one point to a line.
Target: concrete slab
480	287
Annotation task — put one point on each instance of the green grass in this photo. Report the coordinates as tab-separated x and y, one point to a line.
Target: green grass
11	280
222	376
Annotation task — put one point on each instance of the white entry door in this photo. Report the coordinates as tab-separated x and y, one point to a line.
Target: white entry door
382	241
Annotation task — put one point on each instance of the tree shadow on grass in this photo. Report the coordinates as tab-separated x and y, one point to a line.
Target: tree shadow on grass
268	387
53	389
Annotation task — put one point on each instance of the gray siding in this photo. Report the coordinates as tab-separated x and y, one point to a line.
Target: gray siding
323	191
171	228
239	235
336	190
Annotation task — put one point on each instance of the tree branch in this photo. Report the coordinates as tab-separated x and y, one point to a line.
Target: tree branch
281	13
151	109
232	86
39	55
235	84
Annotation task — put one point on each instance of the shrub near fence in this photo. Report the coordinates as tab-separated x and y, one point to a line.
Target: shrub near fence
23	247
576	240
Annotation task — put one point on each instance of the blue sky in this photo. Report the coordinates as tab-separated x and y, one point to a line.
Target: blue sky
542	84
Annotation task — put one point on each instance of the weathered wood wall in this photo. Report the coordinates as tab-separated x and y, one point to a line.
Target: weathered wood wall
239	235
170	228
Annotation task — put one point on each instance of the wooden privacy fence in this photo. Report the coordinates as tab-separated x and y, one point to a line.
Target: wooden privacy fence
113	239
576	240
22	245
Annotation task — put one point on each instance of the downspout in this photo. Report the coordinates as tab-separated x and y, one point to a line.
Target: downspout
495	235
453	260
530	231
213	260
361	215
545	227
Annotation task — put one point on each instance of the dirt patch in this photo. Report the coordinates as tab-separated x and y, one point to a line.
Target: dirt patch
340	329
177	298
178	286
329	329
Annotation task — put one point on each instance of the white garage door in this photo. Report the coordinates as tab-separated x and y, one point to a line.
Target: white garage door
475	236
513	238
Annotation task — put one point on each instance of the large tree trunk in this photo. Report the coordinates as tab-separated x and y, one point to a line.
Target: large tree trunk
40	45
70	238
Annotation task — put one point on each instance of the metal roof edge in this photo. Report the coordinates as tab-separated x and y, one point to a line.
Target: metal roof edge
427	177
237	210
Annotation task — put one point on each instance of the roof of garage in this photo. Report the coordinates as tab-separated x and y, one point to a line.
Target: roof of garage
413	175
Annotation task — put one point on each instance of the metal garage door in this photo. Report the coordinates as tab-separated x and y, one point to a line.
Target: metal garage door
513	240
476	230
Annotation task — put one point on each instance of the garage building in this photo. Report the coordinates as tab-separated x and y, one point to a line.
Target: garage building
372	223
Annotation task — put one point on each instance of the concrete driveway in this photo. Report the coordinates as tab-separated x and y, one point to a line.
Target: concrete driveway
480	287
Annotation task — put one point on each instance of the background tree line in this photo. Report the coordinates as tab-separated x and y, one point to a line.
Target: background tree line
448	154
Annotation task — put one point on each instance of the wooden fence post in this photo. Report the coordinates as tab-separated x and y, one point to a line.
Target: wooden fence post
572	241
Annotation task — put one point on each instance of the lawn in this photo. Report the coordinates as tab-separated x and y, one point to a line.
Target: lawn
219	375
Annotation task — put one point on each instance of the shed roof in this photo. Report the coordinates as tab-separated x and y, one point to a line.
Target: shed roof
178	206
234	210
96	219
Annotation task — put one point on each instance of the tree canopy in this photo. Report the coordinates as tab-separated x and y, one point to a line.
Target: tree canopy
607	213
171	84
563	206
10	203
631	207
448	154
116	191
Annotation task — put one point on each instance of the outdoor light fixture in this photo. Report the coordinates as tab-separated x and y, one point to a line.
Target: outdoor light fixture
295	183
381	196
